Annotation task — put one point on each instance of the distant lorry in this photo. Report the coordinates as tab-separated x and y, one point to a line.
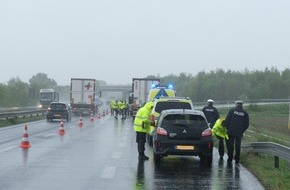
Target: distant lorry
82	96
140	92
46	96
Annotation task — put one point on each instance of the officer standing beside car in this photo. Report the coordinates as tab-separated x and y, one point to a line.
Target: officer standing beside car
142	128
237	122
210	112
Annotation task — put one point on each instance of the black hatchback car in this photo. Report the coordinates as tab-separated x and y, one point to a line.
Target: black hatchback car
182	132
58	110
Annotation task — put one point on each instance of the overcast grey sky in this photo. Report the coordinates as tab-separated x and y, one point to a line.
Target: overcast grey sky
116	40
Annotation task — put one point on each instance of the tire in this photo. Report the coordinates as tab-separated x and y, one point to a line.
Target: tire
157	158
150	140
207	159
67	118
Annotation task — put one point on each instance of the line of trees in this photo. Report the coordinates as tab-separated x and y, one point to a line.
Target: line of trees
232	85
18	93
218	84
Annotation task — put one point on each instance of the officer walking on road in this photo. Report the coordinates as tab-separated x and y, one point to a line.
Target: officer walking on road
237	122
142	127
210	112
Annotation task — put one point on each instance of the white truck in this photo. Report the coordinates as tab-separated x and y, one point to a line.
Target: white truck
82	96
140	91
46	96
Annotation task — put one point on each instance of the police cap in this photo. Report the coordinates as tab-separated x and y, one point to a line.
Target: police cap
239	102
210	101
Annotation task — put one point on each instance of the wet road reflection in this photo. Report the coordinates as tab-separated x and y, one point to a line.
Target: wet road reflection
103	155
189	173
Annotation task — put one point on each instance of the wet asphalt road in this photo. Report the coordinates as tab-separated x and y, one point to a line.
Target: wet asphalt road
103	155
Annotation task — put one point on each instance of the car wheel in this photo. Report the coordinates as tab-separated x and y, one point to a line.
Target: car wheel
207	159
156	158
149	140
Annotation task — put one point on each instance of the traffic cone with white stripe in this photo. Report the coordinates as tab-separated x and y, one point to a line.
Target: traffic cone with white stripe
61	128
81	121
25	142
92	118
99	116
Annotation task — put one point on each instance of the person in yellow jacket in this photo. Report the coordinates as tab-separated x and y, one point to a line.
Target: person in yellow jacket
221	133
112	102
142	128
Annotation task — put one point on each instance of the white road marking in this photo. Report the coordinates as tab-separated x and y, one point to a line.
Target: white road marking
116	155
4	150
121	145
109	172
49	135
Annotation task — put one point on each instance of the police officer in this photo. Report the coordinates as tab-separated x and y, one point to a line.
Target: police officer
141	127
220	131
116	109
237	122
112	102
210	112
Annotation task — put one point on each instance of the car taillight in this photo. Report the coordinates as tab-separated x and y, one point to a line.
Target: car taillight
161	131
206	133
158	144
209	145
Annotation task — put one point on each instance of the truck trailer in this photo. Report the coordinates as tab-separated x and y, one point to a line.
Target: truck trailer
140	91
82	96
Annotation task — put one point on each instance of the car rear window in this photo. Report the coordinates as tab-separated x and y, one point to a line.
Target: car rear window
189	120
160	106
58	106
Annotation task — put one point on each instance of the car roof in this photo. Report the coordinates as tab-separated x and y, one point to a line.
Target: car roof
59	103
173	99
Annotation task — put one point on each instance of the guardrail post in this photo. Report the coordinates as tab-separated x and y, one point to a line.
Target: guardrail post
276	162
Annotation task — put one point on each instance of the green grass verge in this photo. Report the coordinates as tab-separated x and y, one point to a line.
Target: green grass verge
9	122
268	123
262	166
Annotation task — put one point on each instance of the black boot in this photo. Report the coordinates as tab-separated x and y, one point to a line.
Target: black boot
143	157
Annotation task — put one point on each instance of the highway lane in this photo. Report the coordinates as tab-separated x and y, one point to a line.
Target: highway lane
103	155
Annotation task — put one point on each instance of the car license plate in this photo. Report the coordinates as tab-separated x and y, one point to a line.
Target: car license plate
184	147
57	115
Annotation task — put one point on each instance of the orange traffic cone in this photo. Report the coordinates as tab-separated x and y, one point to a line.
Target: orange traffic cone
92	118
25	142
104	114
99	116
80	121
61	128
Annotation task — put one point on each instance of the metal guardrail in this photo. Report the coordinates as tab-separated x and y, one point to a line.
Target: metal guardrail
16	114
279	151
